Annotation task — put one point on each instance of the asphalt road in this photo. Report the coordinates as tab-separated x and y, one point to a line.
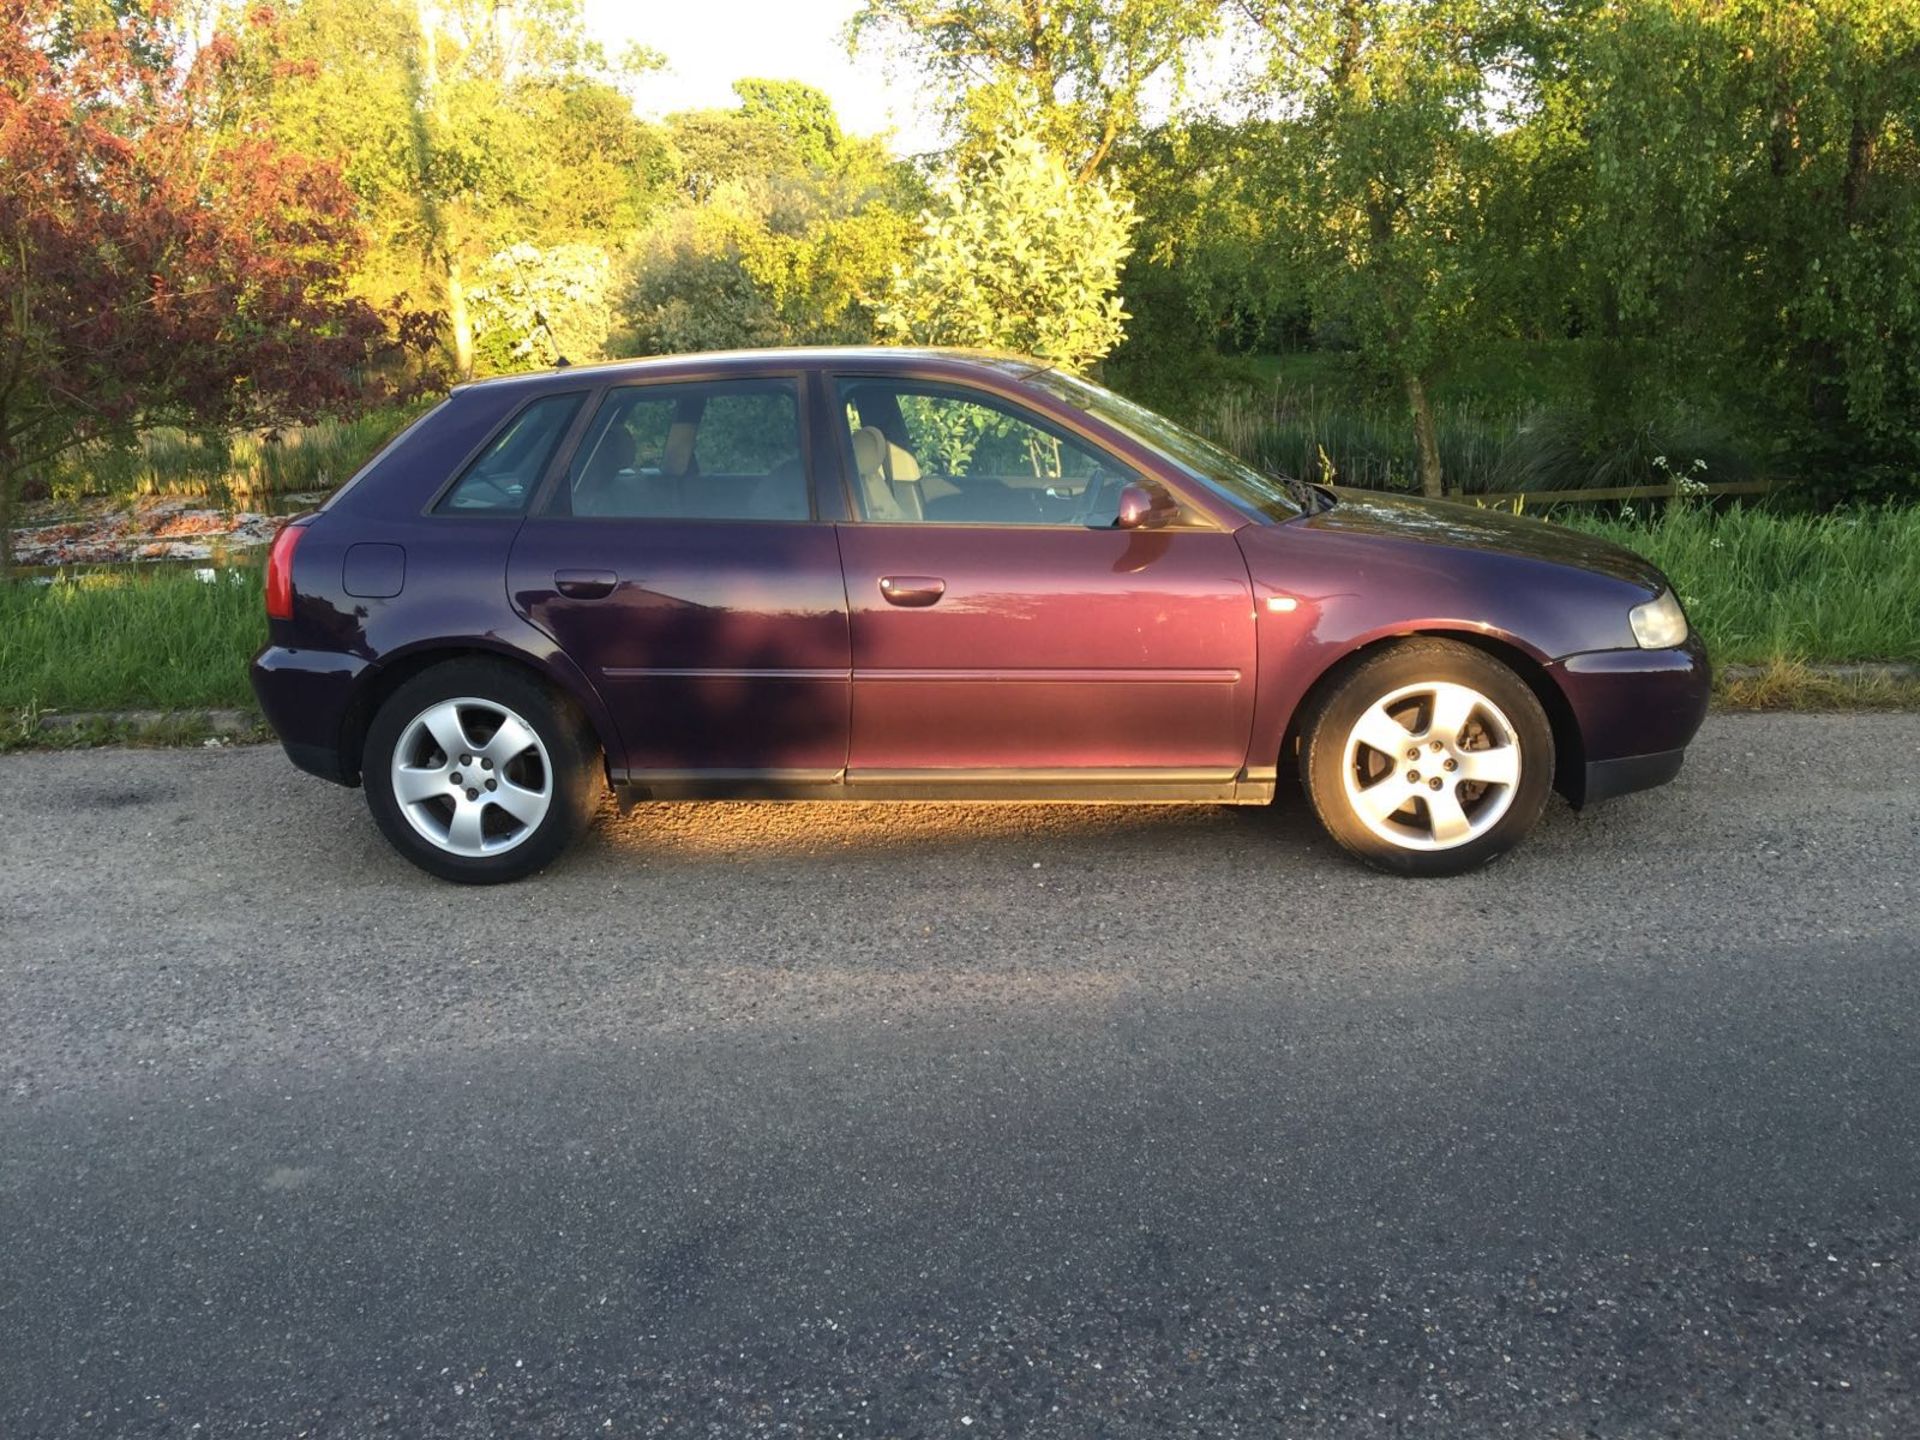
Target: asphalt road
986	1121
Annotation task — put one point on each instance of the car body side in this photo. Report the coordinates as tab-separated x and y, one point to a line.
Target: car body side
1326	587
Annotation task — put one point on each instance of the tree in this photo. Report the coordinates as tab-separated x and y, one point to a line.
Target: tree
764	245
798	111
151	271
1752	213
1017	256
534	308
1384	168
1072	73
1211	274
464	126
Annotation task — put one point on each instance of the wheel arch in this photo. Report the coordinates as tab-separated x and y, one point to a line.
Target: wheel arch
380	680
1569	748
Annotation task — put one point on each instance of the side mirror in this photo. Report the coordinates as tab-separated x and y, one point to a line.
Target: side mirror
1141	508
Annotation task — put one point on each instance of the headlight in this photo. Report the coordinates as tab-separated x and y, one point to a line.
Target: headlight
1660	624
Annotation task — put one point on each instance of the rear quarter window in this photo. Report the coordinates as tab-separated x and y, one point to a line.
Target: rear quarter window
501	478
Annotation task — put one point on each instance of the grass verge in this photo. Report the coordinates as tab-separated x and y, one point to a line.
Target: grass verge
1787	590
1787	685
117	641
1789	594
33	730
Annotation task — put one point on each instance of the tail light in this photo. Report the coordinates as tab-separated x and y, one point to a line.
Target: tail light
280	572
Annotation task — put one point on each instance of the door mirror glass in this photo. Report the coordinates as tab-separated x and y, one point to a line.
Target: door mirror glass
1142	507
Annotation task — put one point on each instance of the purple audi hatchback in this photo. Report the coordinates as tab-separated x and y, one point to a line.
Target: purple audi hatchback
879	574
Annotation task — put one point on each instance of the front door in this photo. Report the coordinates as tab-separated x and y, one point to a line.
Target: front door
1004	630
679	564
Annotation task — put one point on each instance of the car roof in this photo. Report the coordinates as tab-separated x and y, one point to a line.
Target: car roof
882	357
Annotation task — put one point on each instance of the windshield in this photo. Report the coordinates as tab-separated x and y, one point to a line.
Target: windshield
1218	469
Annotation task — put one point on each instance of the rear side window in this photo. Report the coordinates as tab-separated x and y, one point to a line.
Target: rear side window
503	476
718	450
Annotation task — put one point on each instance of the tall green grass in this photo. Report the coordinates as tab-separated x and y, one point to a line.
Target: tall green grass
233	466
1486	445
1322	434
129	641
1763	587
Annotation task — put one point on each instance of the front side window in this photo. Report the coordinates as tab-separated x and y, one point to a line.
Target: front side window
720	450
502	477
1216	468
925	453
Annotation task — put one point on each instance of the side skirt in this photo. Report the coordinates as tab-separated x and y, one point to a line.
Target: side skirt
1077	787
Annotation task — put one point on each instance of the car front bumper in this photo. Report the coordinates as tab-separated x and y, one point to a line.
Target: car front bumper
1636	711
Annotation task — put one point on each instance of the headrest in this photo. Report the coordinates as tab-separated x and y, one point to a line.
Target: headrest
869	451
902	468
874	454
676	457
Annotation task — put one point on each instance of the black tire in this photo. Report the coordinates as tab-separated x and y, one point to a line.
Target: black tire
1324	760
572	757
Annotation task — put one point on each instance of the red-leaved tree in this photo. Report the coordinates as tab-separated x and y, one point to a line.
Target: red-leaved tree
151	270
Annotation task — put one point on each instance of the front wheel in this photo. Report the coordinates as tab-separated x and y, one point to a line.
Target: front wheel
1428	758
478	773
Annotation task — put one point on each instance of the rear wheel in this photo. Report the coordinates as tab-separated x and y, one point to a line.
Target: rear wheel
478	773
1428	758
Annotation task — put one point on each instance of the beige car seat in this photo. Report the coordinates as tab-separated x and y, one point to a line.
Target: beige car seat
889	477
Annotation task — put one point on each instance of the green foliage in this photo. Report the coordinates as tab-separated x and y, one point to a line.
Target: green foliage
533	308
153	270
1017	256
762	245
463	127
1378	184
95	641
238	465
1211	276
1072	73
1492	436
799	112
1752	215
1701	217
1764	588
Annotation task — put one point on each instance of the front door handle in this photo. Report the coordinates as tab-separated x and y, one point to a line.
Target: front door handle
912	590
585	584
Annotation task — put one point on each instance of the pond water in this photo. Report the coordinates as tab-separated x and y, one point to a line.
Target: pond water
162	532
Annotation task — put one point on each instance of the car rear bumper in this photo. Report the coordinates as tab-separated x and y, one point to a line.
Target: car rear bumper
1637	710
304	694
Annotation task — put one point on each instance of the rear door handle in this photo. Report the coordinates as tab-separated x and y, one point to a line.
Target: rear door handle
912	590
585	584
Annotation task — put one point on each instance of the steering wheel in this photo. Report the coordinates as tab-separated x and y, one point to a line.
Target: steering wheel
506	492
1094	499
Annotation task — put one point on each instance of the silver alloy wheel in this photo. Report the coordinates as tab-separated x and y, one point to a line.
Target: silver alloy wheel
1431	766
472	777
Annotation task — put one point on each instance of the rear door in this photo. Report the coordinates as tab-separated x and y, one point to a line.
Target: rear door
680	564
1003	630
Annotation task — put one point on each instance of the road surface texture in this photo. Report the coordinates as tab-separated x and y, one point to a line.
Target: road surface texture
985	1121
